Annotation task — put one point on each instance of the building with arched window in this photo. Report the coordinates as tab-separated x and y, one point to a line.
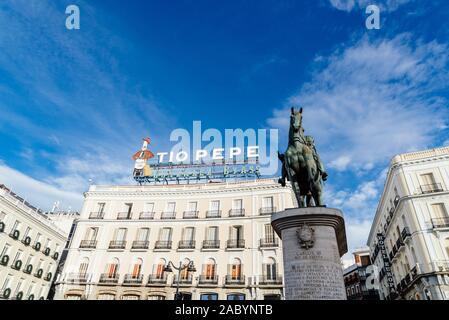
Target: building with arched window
409	237
127	235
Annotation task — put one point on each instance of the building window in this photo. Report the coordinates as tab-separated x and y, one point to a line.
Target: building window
101	206
136	269
120	234
267	205
112	268
73	297
272	297
158	269
156	297
149	207
446	244
428	183
236	233
188	234
236	296
143	234
270	269
106	296
209	269
192	206
5	250
16	226
130	297
30	289
269	233
209	296
91	234
170	207
235	269
212	233
165	234
439	211
214	206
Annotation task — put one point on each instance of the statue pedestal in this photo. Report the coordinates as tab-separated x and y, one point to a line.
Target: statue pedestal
313	240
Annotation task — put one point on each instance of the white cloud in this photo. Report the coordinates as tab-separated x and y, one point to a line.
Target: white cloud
372	100
341	163
349	5
38	193
357	231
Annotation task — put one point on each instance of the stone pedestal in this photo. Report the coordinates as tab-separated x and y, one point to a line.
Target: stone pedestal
313	240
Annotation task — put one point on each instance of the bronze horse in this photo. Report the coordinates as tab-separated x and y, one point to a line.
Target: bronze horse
299	165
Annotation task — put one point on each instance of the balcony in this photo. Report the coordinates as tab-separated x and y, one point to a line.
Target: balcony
391	212
117	245
399	244
183	280
106	278
168	215
235	280
213	214
80	278
235	244
157	280
207	280
88	244
124	215
406	233
186	244
237	212
140	245
440	223
211	244
430	188
96	215
267	210
270	281
268	243
396	201
163	245
190	215
146	216
133	280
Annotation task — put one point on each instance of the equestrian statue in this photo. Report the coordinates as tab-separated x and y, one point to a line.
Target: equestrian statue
301	165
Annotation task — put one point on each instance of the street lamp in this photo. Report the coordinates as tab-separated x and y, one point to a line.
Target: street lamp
182	266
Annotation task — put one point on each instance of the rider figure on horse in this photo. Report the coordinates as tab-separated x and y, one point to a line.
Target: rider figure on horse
311	143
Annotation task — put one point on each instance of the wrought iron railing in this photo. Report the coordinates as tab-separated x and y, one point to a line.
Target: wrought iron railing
117	244
430	188
211	244
213	214
190	215
186	244
267	210
235	244
208	279
237	212
140	244
146	216
163	245
88	244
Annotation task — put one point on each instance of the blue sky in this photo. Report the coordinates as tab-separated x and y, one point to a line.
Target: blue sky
75	104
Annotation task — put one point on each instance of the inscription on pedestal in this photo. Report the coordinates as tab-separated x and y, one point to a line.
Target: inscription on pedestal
315	280
313	273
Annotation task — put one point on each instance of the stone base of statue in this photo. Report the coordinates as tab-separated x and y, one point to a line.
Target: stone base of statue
313	240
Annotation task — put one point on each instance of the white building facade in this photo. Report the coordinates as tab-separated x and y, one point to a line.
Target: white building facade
30	249
409	238
127	235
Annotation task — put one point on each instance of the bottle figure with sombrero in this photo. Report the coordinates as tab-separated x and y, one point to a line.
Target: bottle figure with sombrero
141	167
